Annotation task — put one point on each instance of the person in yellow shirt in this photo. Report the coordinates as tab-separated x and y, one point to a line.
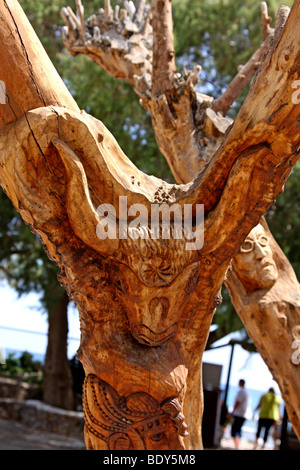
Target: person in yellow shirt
269	414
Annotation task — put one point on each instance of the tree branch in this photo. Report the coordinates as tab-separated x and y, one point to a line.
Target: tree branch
163	67
265	20
245	72
271	309
24	89
119	41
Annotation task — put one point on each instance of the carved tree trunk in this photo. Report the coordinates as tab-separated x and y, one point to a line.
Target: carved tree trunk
266	295
189	126
145	300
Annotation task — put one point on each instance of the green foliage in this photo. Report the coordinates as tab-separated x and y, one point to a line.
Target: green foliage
23	261
225	319
284	219
23	367
219	35
106	98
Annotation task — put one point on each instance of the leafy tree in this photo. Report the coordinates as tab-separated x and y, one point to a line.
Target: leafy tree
26	267
284	219
228	32
24	367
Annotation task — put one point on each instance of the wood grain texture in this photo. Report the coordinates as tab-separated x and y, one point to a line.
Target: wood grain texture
30	78
145	304
266	295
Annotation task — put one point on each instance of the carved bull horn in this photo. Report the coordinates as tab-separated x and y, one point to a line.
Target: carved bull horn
120	178
94	187
82	214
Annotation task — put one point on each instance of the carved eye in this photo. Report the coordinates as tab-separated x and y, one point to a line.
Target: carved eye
263	241
121	286
246	246
158	437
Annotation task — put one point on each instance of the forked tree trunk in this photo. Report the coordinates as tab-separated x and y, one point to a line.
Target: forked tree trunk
145	302
189	127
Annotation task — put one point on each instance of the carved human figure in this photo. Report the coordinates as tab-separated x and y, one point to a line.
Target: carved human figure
155	314
267	299
254	264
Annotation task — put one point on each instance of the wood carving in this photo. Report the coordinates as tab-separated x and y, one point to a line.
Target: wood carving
254	264
188	125
267	299
137	421
145	302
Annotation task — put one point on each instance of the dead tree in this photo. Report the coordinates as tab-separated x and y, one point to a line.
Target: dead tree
145	301
136	45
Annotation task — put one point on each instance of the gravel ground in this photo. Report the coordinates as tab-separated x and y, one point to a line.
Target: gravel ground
15	436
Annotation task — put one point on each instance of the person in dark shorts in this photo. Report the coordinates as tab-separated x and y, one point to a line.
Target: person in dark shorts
269	415
239	413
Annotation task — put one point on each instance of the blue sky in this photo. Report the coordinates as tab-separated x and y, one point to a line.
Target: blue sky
24	314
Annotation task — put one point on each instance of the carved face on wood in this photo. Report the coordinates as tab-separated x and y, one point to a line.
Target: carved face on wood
154	312
254	264
137	421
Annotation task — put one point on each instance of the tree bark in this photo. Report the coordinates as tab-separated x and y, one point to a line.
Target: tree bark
266	295
164	66
57	385
189	127
26	61
143	331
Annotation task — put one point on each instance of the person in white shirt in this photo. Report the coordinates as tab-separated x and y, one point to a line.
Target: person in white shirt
239	413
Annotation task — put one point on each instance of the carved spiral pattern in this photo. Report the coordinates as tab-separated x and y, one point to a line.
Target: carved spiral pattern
126	422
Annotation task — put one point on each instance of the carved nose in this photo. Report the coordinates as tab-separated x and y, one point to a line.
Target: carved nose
159	308
259	251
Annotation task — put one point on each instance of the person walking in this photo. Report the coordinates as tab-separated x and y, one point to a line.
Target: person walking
239	413
269	414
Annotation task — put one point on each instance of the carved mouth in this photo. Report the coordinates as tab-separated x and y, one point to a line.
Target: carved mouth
149	338
267	264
